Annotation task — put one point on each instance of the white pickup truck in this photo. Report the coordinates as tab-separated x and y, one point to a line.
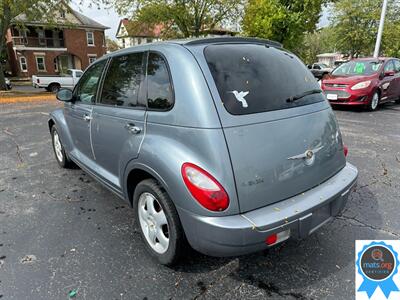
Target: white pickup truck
54	83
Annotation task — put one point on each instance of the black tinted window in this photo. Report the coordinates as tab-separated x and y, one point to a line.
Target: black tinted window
122	81
253	78
87	86
159	88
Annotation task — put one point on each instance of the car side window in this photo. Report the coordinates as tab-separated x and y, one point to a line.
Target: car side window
389	66
397	65
159	86
122	81
317	67
87	86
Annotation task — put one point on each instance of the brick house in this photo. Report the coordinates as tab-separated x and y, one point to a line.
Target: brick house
73	42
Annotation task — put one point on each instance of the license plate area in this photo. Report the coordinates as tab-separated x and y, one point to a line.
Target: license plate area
320	215
332	97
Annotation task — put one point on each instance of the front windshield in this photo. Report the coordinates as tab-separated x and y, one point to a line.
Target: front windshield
323	66
358	67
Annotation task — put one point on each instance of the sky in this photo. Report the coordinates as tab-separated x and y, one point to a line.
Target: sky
110	18
107	17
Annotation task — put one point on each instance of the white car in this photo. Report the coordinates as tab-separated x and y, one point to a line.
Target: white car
54	83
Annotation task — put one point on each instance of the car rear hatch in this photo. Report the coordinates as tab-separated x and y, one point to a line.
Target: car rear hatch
281	133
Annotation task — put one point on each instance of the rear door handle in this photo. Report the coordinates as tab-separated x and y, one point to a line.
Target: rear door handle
132	128
87	118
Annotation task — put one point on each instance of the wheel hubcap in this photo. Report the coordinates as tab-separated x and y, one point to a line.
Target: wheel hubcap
374	102
57	147
153	223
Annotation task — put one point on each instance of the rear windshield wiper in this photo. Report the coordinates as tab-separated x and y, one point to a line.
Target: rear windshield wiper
297	97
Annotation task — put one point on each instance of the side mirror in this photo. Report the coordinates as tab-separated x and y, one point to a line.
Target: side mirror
309	66
389	73
64	95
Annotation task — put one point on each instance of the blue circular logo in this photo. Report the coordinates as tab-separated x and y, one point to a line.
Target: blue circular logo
377	263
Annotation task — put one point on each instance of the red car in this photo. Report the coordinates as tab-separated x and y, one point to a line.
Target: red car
365	82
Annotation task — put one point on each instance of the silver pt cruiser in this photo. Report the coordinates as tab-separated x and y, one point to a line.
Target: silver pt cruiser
227	144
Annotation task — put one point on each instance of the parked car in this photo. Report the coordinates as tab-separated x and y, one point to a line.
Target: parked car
319	70
54	83
365	82
337	63
231	153
8	84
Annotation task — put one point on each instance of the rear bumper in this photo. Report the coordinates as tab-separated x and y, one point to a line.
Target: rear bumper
246	233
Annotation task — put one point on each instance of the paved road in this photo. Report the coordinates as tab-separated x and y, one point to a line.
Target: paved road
60	230
27	89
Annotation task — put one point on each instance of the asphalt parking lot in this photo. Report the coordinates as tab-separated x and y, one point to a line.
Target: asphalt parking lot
62	231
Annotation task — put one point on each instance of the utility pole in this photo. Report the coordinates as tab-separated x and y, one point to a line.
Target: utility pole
380	29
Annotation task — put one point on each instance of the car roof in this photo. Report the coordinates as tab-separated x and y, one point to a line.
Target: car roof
225	39
193	42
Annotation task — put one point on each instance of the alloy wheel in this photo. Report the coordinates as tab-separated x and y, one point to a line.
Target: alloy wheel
374	101
153	223
57	146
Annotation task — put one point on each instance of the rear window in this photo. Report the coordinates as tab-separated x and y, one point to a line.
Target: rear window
253	78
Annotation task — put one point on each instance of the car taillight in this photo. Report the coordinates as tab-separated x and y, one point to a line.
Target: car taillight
204	188
345	150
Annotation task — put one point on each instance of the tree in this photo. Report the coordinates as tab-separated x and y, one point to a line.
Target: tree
111	45
285	21
356	22
186	18
320	41
391	39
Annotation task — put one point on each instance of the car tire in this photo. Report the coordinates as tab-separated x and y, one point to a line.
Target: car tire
61	157
53	87
158	222
374	103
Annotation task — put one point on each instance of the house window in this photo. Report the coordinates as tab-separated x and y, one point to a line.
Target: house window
90	38
149	40
123	43
40	64
55	64
42	39
62	14
23	64
92	58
